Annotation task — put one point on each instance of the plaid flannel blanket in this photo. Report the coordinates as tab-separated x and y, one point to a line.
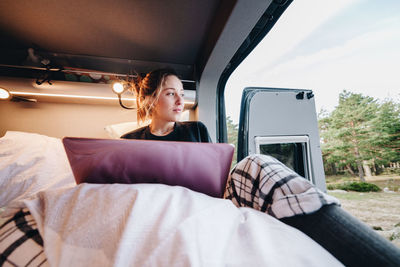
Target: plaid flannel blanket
20	241
265	184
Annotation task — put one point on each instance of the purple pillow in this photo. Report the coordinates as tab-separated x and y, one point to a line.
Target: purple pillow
202	167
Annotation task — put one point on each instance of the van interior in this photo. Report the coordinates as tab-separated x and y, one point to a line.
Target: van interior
62	56
59	61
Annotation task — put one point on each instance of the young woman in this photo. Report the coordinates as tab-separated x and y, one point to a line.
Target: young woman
262	182
160	98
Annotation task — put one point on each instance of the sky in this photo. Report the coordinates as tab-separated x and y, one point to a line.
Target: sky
328	47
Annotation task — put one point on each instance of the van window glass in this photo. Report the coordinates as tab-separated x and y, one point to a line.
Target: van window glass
326	47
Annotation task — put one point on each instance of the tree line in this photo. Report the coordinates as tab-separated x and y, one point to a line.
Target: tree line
360	136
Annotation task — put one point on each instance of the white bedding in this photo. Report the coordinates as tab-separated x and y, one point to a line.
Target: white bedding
30	163
158	225
142	224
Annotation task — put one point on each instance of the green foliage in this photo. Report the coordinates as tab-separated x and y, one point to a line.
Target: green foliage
394	236
355	186
331	187
387	133
360	131
232	136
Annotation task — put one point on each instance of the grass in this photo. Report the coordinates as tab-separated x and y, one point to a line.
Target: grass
352	196
380	210
391	182
368	196
355	186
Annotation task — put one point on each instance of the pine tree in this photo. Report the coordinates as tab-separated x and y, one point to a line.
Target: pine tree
386	139
359	133
347	130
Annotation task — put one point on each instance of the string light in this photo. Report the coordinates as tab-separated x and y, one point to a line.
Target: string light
118	88
4	93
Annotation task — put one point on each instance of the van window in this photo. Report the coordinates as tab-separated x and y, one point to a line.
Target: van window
324	47
293	151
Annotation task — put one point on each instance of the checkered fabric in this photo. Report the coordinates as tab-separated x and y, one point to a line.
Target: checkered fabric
264	183
20	241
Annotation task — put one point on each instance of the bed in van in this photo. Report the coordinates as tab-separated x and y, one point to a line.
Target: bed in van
58	62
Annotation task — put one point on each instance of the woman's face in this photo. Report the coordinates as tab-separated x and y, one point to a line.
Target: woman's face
170	103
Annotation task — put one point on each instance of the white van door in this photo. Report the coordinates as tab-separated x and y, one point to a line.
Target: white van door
282	123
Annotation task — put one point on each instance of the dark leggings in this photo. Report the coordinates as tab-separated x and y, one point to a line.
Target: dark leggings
351	241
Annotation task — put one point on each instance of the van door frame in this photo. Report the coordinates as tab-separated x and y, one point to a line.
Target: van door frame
260	30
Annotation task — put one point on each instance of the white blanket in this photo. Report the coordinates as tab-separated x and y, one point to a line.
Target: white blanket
158	225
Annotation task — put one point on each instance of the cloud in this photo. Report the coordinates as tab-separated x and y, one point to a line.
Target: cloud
367	47
296	24
299	21
367	63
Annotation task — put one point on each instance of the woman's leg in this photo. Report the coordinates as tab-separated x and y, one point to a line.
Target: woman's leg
345	237
265	184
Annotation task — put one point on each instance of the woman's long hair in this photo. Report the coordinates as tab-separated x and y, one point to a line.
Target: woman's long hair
148	90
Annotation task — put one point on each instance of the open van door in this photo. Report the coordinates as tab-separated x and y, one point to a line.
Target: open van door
282	123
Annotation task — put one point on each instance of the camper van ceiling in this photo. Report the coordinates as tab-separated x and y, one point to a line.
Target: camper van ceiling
204	40
42	37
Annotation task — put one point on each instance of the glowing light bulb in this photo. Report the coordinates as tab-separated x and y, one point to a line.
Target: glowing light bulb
118	88
4	94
